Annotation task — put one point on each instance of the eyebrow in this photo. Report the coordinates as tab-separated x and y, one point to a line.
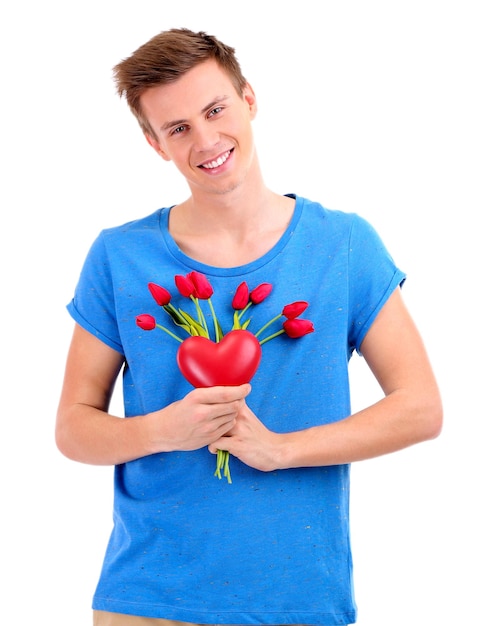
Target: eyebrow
214	102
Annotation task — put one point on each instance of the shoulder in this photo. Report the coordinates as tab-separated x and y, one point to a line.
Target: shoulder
337	222
321	211
143	224
115	242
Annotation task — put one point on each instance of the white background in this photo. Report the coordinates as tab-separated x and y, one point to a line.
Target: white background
382	108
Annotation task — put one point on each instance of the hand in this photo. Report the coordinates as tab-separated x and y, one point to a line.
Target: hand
250	441
200	418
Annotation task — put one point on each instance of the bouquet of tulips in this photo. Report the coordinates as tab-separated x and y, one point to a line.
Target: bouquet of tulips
207	358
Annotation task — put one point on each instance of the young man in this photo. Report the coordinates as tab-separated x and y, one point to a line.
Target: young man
272	546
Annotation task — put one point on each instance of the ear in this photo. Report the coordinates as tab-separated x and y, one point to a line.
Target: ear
156	146
250	98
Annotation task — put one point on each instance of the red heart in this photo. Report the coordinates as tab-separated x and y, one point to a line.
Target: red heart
232	361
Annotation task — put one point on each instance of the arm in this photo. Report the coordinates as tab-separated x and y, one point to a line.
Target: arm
86	432
410	411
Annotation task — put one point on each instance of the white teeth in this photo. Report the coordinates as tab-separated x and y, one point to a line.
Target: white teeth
220	161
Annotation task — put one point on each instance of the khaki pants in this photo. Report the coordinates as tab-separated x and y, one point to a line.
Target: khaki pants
103	618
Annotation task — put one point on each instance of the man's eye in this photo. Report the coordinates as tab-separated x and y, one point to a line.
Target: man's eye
178	130
215	111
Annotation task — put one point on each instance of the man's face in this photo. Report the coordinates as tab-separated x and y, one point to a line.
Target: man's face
204	127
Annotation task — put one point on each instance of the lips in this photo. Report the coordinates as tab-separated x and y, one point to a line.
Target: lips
211	165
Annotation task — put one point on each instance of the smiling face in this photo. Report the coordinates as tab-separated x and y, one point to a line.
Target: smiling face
203	126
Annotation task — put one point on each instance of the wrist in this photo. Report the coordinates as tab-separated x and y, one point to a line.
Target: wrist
284	451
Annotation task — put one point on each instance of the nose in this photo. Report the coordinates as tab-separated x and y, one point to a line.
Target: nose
205	136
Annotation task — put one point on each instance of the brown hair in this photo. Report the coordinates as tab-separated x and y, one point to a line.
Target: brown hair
164	59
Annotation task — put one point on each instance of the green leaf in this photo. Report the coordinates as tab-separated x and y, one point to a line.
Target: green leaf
197	329
236	325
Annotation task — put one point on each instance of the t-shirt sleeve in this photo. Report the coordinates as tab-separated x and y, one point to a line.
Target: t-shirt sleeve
373	278
93	304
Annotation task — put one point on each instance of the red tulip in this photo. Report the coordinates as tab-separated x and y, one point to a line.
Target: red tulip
203	289
160	295
241	297
298	328
260	293
145	321
185	285
294	309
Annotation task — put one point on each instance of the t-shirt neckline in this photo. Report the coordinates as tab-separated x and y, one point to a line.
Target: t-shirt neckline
211	270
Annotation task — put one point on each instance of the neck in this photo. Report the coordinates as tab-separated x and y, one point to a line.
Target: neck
227	208
231	231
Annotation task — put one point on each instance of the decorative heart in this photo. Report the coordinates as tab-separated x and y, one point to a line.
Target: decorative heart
232	361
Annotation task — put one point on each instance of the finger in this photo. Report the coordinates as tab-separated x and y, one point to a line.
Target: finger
222	394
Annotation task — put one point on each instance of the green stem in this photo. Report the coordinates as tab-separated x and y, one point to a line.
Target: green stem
215	321
219	464
223	457
226	469
268	324
201	317
176	313
280	332
169	333
244	309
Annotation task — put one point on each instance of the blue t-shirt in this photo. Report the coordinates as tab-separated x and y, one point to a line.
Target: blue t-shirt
272	547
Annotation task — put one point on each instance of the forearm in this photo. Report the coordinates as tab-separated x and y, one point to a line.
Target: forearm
88	434
391	424
92	436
